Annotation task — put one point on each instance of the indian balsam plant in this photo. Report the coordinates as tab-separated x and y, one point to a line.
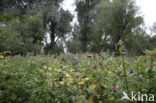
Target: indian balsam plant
150	70
142	70
122	52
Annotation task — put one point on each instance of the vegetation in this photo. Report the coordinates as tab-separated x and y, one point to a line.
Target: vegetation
77	78
111	52
43	26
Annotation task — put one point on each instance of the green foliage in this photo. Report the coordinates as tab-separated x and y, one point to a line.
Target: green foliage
74	46
56	20
57	49
91	78
150	51
8	36
4	17
22	36
117	20
86	16
101	24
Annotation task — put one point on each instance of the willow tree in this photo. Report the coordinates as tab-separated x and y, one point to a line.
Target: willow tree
85	9
56	20
117	20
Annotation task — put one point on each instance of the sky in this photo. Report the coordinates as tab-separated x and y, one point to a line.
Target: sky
69	5
147	10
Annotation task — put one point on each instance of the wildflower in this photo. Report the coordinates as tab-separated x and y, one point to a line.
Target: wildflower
116	46
113	88
120	41
49	84
111	58
77	96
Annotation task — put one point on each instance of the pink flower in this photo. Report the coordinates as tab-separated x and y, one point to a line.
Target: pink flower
77	96
111	58
116	46
120	41
49	84
113	88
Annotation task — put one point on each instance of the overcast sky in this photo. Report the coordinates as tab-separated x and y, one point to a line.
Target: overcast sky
147	9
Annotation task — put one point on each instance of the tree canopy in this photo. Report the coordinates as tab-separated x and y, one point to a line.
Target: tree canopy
35	26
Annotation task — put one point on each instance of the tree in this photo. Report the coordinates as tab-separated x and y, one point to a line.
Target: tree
15	7
117	20
153	30
56	20
152	39
74	46
85	9
22	35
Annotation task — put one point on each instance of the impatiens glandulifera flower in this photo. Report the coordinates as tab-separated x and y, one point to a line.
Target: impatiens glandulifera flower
113	88
49	84
77	96
120	41
116	46
147	54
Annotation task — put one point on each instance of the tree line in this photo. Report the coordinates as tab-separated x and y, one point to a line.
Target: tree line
35	26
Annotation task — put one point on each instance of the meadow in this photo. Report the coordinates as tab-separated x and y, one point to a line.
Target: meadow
77	51
76	78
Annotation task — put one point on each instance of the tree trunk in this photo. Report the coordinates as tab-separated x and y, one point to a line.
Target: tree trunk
52	36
